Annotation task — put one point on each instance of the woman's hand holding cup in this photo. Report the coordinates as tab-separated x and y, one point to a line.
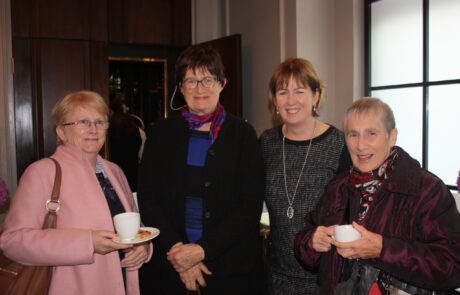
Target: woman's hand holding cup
103	242
367	245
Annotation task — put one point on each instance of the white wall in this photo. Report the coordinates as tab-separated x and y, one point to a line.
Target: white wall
258	21
316	42
330	35
208	20
326	32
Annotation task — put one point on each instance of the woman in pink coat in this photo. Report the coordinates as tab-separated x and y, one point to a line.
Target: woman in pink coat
87	260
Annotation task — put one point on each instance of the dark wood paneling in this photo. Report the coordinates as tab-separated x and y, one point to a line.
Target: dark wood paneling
98	20
99	68
24	103
150	22
60	19
115	23
140	21
23	18
65	68
64	19
182	22
61	46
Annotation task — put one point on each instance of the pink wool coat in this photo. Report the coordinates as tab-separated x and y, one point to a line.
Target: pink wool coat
69	247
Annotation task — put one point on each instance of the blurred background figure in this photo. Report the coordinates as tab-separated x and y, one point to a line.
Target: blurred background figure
125	141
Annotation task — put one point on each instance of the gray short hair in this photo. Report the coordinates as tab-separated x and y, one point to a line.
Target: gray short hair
367	104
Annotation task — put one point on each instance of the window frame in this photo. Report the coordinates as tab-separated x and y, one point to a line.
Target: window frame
425	84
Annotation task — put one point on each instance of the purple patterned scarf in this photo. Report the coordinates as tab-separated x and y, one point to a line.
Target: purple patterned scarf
369	183
216	118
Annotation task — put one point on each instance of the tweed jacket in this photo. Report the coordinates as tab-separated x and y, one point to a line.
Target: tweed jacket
232	200
413	211
69	247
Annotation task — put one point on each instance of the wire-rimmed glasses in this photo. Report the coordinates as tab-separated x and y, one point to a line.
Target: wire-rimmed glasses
83	124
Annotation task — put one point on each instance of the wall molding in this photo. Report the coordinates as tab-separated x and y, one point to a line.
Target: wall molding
7	120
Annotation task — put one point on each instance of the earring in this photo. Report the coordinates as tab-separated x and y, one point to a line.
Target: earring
314	111
277	112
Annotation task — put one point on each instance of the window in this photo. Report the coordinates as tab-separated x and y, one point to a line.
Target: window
413	64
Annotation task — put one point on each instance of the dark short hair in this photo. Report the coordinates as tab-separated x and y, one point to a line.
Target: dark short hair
203	57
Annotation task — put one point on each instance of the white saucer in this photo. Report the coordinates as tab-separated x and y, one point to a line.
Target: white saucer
154	232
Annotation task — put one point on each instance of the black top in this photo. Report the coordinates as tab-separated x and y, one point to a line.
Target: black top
232	201
327	157
125	140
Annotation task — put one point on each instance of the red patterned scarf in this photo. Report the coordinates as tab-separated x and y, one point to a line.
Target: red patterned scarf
370	182
216	118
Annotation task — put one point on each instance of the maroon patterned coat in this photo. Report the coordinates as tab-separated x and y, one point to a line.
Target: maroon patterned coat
416	215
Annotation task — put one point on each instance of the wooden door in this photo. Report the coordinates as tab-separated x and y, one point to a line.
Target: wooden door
165	22
47	69
230	51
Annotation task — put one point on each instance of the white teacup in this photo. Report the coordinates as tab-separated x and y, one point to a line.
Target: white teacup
127	225
345	233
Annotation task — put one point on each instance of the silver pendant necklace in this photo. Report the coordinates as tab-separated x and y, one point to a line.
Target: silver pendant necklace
290	209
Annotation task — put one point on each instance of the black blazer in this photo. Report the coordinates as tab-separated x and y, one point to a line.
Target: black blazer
232	204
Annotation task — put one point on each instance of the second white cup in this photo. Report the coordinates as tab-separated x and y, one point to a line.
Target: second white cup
345	233
127	225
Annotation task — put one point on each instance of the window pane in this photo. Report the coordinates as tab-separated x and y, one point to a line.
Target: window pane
407	106
444	42
396	43
444	139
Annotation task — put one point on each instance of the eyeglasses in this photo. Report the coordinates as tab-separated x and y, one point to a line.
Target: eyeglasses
82	124
207	82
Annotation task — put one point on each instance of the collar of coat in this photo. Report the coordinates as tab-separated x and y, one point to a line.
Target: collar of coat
405	178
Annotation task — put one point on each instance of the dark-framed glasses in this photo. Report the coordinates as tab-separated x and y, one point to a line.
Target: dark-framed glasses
192	83
83	124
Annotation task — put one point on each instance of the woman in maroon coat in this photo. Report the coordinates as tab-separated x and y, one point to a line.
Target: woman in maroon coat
409	224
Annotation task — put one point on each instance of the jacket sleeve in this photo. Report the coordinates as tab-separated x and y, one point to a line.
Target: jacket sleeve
25	241
432	259
245	217
307	256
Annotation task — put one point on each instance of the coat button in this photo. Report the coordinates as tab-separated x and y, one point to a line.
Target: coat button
212	152
207	184
207	215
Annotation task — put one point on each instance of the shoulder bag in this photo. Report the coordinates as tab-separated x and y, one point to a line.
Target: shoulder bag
18	279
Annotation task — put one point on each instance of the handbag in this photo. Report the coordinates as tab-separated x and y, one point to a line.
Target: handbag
19	279
364	275
360	280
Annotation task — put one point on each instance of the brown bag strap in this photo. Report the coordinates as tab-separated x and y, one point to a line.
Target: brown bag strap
53	205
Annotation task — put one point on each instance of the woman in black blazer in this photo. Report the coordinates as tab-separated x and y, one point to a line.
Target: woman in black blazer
201	183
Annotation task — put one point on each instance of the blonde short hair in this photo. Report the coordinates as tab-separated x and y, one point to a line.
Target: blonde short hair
74	100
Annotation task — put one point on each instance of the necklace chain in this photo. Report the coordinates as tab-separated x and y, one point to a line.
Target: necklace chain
290	209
